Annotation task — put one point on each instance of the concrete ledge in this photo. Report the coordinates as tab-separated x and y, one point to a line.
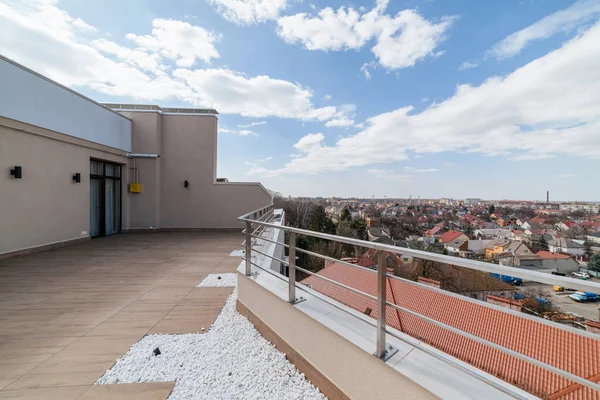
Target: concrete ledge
340	369
312	374
43	247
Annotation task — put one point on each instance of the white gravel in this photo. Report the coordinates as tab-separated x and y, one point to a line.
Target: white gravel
219	280
237	253
231	361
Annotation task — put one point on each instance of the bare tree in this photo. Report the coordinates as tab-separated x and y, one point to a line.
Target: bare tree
538	301
298	212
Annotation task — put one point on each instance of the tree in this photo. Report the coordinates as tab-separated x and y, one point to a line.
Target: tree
346	215
544	243
491	209
360	227
594	263
298	213
539	302
319	221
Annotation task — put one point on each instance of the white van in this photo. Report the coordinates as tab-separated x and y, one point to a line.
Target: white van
581	275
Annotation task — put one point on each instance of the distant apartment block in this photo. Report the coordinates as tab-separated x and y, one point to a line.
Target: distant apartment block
592	208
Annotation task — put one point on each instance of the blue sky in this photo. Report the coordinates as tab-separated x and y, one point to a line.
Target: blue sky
426	98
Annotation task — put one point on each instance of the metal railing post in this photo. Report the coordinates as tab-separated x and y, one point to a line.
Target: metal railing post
248	248
381	304
292	268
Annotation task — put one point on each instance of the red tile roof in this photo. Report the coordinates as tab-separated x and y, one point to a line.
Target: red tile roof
548	255
450	236
571	352
432	231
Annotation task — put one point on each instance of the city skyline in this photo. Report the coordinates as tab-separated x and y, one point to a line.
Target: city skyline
462	99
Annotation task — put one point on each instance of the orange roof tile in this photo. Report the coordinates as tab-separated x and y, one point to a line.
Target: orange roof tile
571	352
449	236
548	255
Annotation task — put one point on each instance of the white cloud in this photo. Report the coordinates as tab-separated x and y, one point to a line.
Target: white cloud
389	175
579	13
547	107
309	142
179	41
366	69
139	58
247	132
411	39
339	122
564	176
327	97
248	12
401	40
41	36
261	96
421	170
251	124
241	132
468	65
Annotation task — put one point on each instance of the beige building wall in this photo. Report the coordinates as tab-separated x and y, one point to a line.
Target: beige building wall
46	206
187	145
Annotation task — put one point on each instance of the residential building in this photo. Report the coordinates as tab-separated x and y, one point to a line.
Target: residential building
594	237
555	262
517	254
452	235
459	247
568	246
75	169
495	249
472	201
592	208
380	235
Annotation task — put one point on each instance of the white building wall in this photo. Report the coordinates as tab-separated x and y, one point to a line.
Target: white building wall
31	98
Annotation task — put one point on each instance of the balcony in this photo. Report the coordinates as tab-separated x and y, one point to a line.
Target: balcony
86	321
452	345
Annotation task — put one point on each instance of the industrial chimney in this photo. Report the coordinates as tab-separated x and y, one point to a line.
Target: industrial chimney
547	197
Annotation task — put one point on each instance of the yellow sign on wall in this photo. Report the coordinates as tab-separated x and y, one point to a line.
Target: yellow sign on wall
135	187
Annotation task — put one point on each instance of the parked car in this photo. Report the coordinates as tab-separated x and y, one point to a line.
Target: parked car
584	296
508	279
581	275
558	273
558	288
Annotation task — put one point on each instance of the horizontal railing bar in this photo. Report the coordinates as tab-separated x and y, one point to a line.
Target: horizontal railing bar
564	327
548	367
440	357
494	307
324	257
272	241
337	283
276	275
271	257
445	259
255	211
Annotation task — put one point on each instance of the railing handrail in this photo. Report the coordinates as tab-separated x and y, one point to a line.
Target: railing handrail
445	259
382	274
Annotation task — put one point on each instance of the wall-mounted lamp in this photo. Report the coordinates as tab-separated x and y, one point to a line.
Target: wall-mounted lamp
17	172
185	183
77	177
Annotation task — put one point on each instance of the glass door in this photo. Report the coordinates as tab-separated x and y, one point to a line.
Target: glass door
95	207
105	198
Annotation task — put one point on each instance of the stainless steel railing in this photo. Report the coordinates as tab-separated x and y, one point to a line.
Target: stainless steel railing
263	220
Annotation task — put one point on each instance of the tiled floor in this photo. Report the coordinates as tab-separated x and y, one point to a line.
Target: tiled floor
66	315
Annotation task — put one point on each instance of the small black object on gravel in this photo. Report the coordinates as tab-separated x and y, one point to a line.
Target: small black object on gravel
156	351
